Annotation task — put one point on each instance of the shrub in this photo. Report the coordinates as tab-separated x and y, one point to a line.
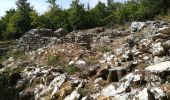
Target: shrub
71	69
54	61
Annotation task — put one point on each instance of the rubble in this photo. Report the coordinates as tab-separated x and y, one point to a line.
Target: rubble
93	64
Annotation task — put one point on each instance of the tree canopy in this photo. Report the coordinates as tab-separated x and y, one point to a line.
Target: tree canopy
18	21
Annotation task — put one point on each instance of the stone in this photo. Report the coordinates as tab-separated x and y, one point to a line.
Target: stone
137	26
144	95
164	30
166	88
75	95
66	89
167	44
103	72
158	93
144	45
35	39
159	36
157	49
127	56
160	67
115	74
81	64
60	32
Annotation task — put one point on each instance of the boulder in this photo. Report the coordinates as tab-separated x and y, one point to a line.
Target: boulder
137	26
164	30
60	32
160	67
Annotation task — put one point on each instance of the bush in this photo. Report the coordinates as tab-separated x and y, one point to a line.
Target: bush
54	61
70	69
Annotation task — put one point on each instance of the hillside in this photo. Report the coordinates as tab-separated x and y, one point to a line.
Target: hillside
92	64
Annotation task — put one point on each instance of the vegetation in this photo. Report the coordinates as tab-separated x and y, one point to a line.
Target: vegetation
70	69
54	61
17	21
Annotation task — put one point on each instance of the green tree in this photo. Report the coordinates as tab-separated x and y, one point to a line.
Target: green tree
20	21
77	15
99	13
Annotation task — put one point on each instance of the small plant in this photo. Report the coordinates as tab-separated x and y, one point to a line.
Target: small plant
54	61
103	49
14	53
71	69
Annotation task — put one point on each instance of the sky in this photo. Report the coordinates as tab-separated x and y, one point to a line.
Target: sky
41	5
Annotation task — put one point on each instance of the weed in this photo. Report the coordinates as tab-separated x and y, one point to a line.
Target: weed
54	61
70	69
14	53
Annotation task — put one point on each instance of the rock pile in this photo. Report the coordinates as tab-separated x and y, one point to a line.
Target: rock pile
115	64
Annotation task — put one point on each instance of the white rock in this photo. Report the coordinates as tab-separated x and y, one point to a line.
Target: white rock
54	86
158	68
81	64
137	26
158	93
71	63
157	49
143	95
145	58
107	57
121	96
109	91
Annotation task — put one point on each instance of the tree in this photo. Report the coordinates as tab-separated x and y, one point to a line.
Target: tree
20	21
99	13
77	15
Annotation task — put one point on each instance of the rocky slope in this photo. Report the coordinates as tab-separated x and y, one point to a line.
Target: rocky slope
94	64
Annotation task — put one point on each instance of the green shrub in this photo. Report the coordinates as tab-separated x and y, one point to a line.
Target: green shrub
54	61
70	69
15	54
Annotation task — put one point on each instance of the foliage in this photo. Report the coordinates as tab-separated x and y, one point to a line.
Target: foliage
18	21
70	69
14	54
54	60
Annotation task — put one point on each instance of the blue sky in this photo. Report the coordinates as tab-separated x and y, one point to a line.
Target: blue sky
41	5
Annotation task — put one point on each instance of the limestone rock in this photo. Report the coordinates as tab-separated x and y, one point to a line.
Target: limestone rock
137	26
144	95
157	49
158	68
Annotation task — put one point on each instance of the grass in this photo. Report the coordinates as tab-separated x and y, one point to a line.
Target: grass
54	60
15	54
163	17
70	69
103	49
